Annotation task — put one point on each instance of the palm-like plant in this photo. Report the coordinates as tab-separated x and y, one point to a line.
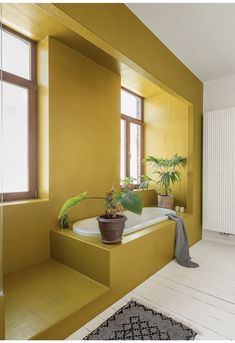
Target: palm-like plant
167	171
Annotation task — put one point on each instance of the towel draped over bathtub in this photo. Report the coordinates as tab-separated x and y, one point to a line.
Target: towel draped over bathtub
181	243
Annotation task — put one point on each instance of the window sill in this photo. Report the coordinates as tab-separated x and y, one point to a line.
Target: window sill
23	202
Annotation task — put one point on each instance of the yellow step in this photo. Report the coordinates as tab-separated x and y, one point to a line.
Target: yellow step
42	295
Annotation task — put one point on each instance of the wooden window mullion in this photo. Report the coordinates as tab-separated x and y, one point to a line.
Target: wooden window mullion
127	148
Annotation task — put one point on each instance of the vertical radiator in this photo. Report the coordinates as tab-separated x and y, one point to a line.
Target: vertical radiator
219	171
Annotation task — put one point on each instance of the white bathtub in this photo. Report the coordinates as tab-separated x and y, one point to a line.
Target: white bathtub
150	215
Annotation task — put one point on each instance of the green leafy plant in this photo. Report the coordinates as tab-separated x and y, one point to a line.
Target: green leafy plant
114	202
129	182
167	171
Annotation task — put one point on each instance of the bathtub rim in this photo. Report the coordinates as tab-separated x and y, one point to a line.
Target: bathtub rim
126	232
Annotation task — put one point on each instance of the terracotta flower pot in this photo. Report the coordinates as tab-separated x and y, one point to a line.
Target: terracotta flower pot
166	201
111	229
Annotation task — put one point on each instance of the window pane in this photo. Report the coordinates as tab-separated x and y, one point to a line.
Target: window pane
130	104
135	150
15	55
123	149
15	138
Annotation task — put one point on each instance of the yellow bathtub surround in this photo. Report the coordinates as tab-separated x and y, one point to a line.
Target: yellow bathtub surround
81	253
52	299
120	267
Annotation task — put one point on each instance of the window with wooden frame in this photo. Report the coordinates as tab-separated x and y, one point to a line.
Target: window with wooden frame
132	123
18	70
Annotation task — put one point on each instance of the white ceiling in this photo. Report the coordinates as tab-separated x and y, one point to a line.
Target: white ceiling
201	35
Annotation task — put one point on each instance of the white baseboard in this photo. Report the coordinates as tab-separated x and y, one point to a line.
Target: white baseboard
218	237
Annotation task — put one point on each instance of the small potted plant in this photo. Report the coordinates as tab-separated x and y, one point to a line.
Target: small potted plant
112	223
168	173
129	182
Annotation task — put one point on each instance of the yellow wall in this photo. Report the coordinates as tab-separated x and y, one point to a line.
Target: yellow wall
83	151
84	128
166	133
2	318
1	245
43	117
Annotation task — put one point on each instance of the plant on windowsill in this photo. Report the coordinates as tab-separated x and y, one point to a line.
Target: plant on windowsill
168	173
112	223
129	182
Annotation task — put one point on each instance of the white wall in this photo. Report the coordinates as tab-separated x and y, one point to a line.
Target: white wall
219	93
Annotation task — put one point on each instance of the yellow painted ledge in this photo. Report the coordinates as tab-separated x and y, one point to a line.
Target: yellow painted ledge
46	295
23	202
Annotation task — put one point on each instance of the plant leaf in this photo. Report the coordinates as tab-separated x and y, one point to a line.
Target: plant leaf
131	201
167	170
145	181
71	203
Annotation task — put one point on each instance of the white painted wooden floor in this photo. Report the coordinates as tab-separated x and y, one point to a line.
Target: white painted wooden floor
204	297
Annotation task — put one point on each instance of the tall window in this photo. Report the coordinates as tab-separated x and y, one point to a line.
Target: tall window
19	115
131	135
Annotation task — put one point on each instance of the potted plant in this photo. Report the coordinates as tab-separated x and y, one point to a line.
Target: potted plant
129	182
168	173
112	223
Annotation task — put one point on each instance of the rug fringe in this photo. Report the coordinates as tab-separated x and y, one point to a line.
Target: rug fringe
167	313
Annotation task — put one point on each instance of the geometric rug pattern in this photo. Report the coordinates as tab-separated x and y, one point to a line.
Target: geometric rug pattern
135	321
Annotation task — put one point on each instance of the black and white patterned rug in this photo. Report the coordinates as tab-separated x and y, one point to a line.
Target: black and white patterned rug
135	321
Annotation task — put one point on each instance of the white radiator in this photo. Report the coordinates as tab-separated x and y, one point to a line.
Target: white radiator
219	171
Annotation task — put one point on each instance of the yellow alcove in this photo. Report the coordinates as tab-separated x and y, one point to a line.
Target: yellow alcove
78	49
166	126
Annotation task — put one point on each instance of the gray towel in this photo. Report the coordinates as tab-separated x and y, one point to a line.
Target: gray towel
181	243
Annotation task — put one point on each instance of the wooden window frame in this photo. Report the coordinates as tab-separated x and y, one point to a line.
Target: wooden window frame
30	84
128	120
